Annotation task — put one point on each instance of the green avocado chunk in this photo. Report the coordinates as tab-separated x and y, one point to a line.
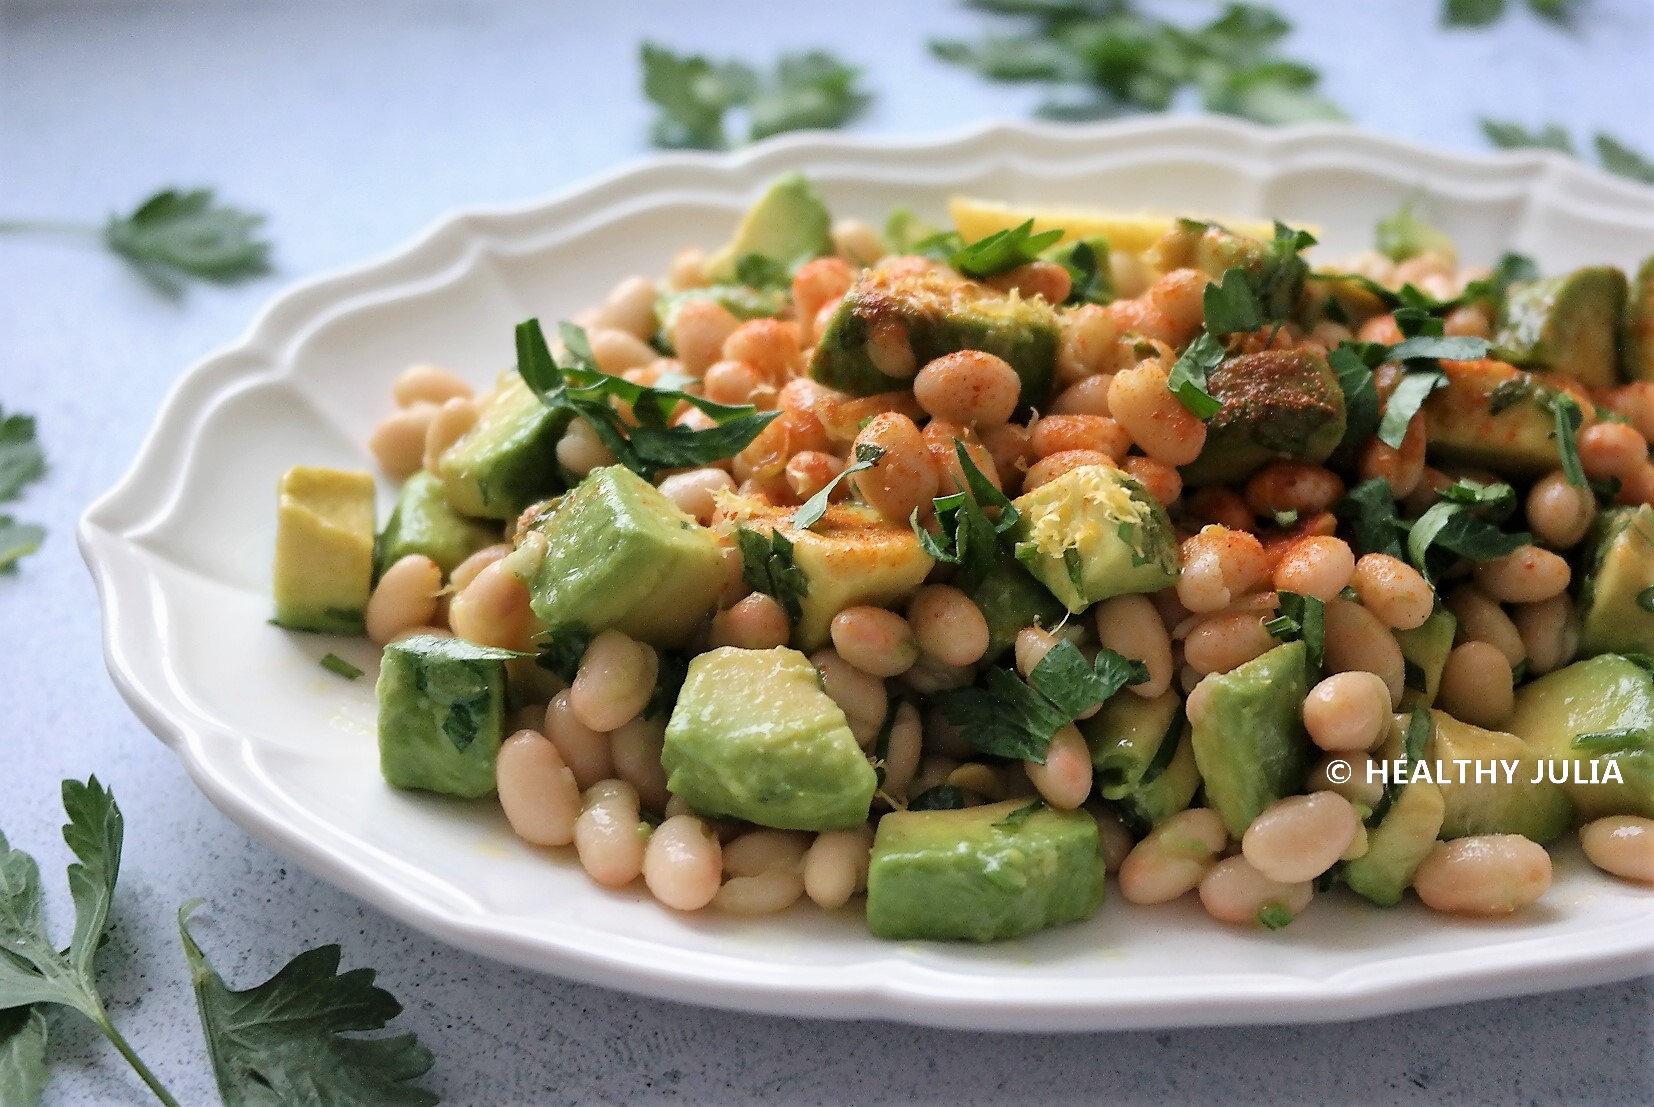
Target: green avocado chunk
508	459
1496	416
939	313
1520	804
1010	599
423	523
1404	837
1275	272
1142	757
324	549
1094	533
1606	705
618	553
789	225
1276	404
1637	341
1248	735
441	714
1567	325
753	736
1618	583
1424	651
982	874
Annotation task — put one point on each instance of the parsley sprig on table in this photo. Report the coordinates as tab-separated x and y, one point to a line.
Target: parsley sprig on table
694	96
22	462
1616	157
175	236
1481	13
280	1042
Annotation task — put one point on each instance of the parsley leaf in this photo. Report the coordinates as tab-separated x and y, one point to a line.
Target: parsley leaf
333	663
22	461
1627	739
810	513
1231	305
1417	736
1017	817
1274	916
174	235
1190	375
970	540
1010	718
1301	618
693	95
1090	281
1404	402
1621	160
1464	523
652	444
767	566
1002	251
283	1041
1568	418
1370	510
23	1072
17	541
1361	403
1513	136
560	650
1472	13
1402	235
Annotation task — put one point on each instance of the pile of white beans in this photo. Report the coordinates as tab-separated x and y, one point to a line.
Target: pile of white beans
582	767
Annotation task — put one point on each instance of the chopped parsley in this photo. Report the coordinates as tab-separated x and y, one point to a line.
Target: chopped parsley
810	513
1003	251
1568	418
767	566
1190	376
333	663
1301	618
1464	523
970	540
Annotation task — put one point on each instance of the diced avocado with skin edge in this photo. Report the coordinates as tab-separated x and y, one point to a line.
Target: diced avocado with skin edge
1010	598
1619	573
982	874
1276	404
619	553
1601	695
1249	741
424	523
1424	649
1095	533
441	714
324	549
788	224
753	736
1276	276
941	313
1637	341
1567	324
1519	439
1539	811
508	459
1128	736
1403	838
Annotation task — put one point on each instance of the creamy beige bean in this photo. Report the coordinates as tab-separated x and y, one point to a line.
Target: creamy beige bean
1056	434
466	571
1525	575
1300	837
874	640
1139	400
693	491
1477	685
687	269
857	243
1317	566
1357	641
905	477
1348	711
448	425
901	759
818	283
580	450
1224	642
682	864
1482	620
1358	779
1052	466
584	750
977	779
1219	566
1064	780
758	622
934	769
761	850
1046	279
428	384
537	791
1030	648
636	748
1236	892
969	387
398	442
698	334
1559	513
1173	858
630	307
769	345
762	893
1622	845
1084	397
930	676
1159	480
1487	875
1131	626
1086	339
835	866
889	349
1612	450
948	625
1550	632
860	695
493	609
1283	486
606	834
615	681
616	351
1393	590
405	597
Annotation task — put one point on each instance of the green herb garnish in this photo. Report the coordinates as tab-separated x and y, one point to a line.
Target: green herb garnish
560	650
1002	251
814	90
1370	510
767	566
1016	818
1481	13
970	540
943	797
1191	376
808	515
1301	618
22	462
1274	916
1620	740
1568	418
1402	235
333	663
1464	523
1616	157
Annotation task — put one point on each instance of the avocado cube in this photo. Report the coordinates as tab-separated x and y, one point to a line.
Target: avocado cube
1276	404
982	874
1141	755
1064	254
324	549
1568	325
508	459
741	301
1249	739
1403	838
618	553
850	557
789	225
1615	586
1275	272
1525	804
423	523
1424	651
1010	598
1637	341
1608	696
441	714
1494	415
1094	533
754	737
940	313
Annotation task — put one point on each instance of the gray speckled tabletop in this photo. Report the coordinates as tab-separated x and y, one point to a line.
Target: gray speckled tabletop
354	123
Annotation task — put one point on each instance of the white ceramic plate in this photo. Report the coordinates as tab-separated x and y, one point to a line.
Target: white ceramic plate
181	552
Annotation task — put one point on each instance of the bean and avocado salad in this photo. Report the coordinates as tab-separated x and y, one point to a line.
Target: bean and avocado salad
962	568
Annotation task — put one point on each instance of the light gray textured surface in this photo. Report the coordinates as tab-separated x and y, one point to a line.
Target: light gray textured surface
354	123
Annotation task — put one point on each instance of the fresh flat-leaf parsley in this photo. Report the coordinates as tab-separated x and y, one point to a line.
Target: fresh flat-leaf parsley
1301	618
1464	523
1402	235
1621	160
1370	510
23	1073
1014	819
1615	156
1361	403
1620	740
22	461
560	650
17	541
1191	373
1568	418
767	566
811	511
694	94
1482	13
969	539
1274	916
1414	740
1404	402
1003	251
1231	305
333	663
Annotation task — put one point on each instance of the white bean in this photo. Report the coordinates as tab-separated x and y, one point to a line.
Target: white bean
835	866
682	864
537	791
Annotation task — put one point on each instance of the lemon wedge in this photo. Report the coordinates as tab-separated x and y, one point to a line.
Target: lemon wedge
1128	233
